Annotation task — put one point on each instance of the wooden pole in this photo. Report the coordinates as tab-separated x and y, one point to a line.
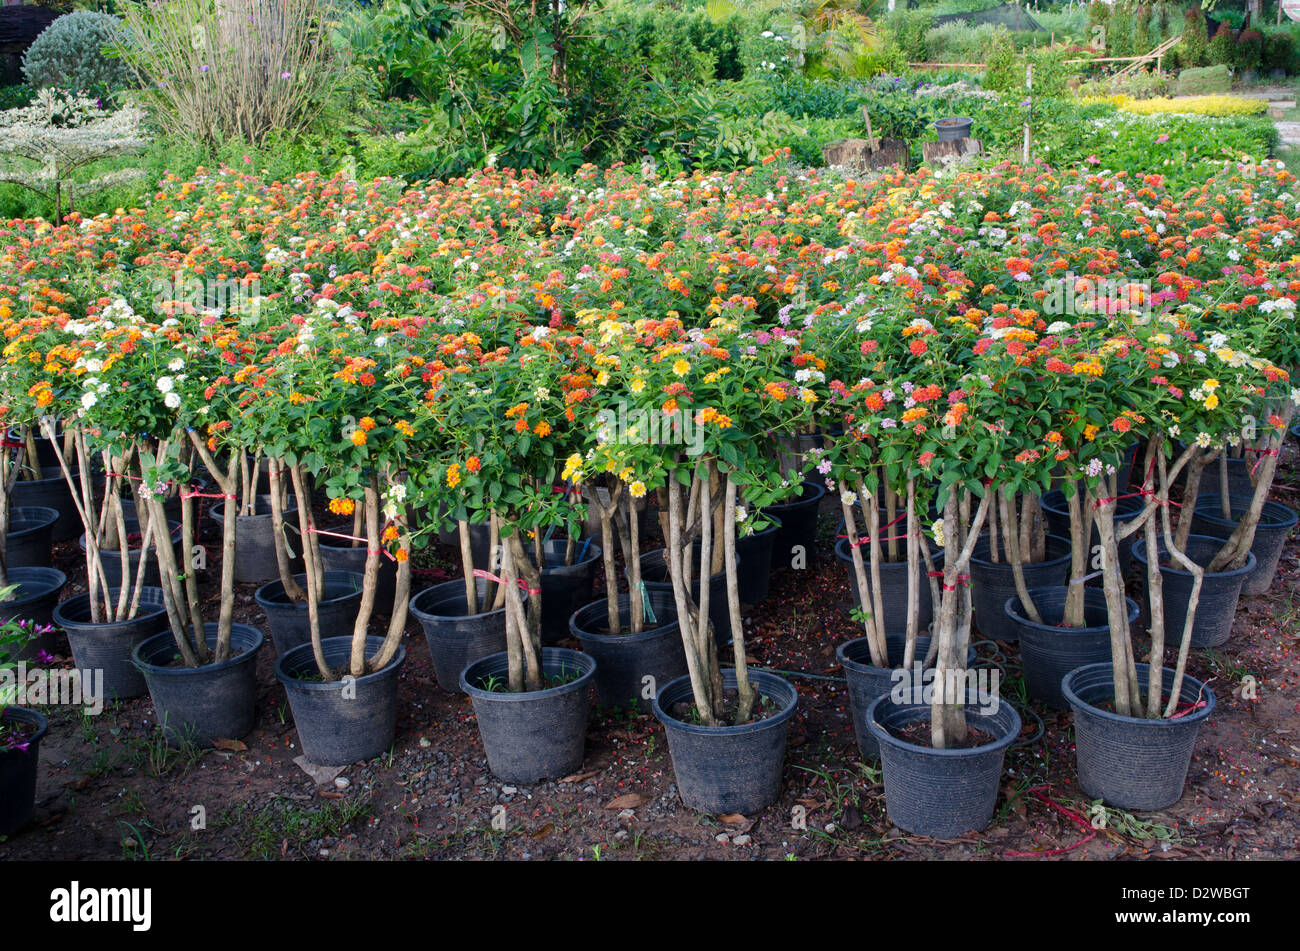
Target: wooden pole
1029	88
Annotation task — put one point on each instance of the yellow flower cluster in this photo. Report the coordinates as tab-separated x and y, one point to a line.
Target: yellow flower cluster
1194	105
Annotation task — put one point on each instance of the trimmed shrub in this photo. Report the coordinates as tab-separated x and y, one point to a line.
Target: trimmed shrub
1193	48
69	54
1223	48
1278	52
1249	50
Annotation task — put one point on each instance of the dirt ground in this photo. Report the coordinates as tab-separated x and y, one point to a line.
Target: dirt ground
109	788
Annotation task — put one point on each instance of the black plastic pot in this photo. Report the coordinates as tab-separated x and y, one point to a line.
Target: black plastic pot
1048	651
993	582
1220	592
480	538
952	129
797	534
109	646
623	661
538	734
112	557
755	551
51	492
1056	512
288	622
1276	522
33	604
18	769
346	720
337	554
455	638
30	537
893	588
655	577
941	793
566	588
1238	478
202	704
867	682
255	540
1132	762
729	769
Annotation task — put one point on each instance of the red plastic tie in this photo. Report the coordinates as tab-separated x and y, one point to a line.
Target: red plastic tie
1039	793
523	585
961	579
8	443
205	495
313	530
1190	708
1262	454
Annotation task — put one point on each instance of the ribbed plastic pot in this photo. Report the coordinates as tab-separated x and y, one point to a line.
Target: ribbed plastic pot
33	605
1276	522
993	582
1132	762
30	536
756	552
202	704
18	769
1220	591
336	554
287	620
110	645
623	661
539	734
798	531
729	769
867	681
255	540
893	588
341	721
941	793
1056	512
655	577
51	492
455	637
480	538
950	130
1238	478
112	557
1048	651
566	588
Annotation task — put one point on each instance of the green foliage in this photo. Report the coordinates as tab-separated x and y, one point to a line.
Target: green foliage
70	54
1278	51
1002	72
1248	51
1203	81
1119	31
909	30
1223	48
1142	29
1193	49
1141	84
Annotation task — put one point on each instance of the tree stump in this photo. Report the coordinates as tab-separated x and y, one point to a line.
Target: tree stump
950	154
864	155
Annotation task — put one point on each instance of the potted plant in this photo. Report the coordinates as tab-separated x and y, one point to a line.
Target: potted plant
511	406
340	429
21	732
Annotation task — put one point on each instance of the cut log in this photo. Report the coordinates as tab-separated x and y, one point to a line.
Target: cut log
945	154
858	155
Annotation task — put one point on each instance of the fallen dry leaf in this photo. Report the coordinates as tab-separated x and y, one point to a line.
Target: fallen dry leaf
626	801
233	746
579	777
544	831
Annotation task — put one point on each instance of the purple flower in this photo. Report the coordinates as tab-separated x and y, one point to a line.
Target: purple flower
44	657
204	68
286	75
